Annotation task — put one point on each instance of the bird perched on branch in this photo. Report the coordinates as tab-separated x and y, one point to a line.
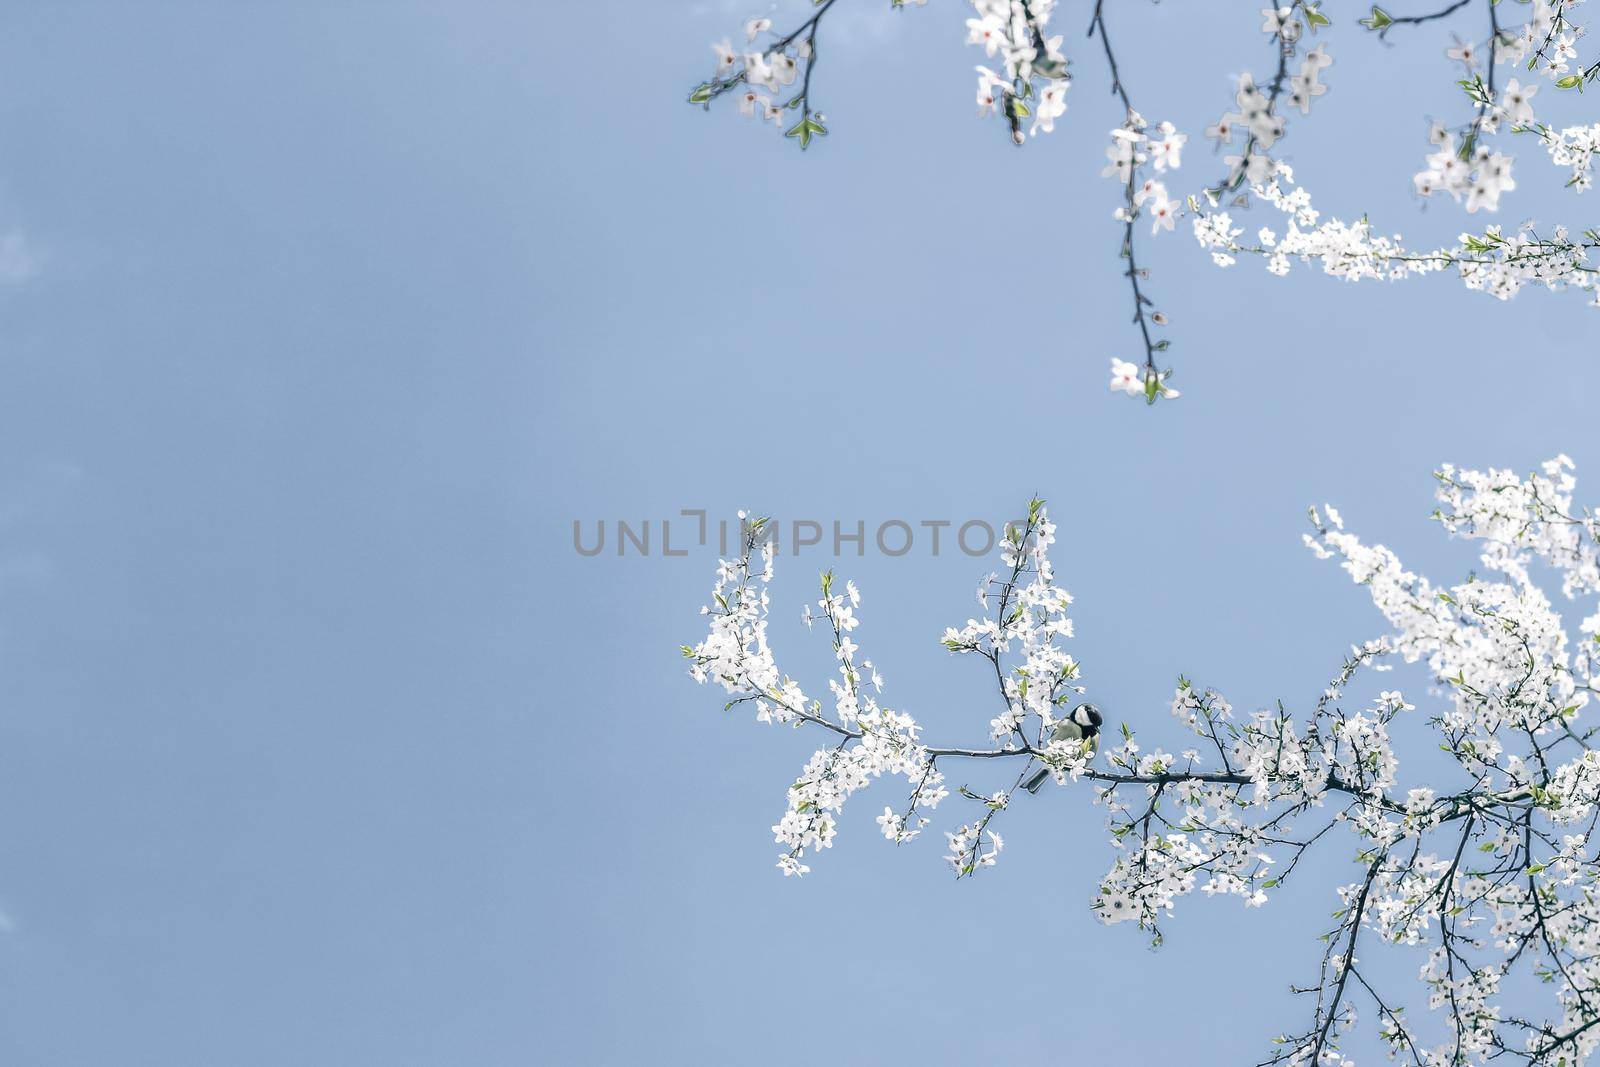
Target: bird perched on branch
1082	724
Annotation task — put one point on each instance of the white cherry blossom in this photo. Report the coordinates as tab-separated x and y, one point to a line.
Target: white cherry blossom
1513	57
1482	873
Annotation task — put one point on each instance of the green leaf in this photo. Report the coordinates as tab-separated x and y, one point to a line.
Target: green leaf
805	129
1571	81
1378	20
701	94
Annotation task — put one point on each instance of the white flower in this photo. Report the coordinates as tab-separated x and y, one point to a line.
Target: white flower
1126	378
1316	61
758	72
990	32
1052	103
890	824
756	27
1117	907
1162	213
1464	52
1222	132
1166	151
785	69
1255	169
1279	22
727	58
791	866
1516	102
1121	154
988	82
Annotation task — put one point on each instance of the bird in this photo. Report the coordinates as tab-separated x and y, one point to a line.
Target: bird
1084	722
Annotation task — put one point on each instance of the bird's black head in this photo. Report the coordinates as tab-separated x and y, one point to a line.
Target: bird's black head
1087	716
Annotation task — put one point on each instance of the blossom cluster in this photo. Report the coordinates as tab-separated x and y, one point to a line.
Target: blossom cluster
876	740
1028	619
1494	262
1131	148
1484	874
762	69
1132	380
1256	115
1513	881
1461	164
1575	148
1548	42
1032	80
1477	175
1024	80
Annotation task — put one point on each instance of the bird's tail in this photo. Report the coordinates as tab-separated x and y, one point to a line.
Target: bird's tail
1033	784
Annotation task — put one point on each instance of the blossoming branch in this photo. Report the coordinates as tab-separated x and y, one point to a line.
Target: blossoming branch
1027	73
1486	875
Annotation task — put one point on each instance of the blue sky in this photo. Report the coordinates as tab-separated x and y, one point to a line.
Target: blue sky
318	741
